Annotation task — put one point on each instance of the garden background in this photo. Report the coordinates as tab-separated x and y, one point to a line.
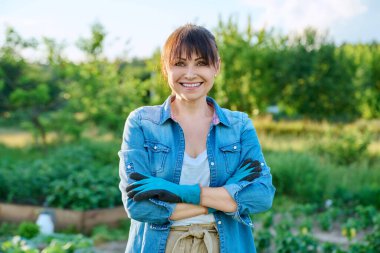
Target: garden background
315	105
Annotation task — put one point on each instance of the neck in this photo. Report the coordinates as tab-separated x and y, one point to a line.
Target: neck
191	109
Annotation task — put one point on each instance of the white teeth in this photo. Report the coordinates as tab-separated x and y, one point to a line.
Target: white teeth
191	84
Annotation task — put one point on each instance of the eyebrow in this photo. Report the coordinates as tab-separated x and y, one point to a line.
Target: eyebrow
196	59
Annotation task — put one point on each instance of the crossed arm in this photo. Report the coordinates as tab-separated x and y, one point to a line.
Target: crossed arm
214	197
146	209
192	200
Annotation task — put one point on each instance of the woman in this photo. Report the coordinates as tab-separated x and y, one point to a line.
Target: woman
192	172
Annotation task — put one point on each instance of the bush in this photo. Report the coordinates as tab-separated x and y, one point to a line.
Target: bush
28	230
296	243
80	176
299	175
7	229
345	145
263	240
305	177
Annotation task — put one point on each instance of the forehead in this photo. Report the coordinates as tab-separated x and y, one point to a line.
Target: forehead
189	53
192	56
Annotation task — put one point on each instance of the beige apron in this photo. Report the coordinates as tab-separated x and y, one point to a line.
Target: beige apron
195	238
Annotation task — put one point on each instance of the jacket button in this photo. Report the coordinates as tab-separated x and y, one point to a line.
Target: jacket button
235	147
219	222
155	147
212	163
129	166
262	164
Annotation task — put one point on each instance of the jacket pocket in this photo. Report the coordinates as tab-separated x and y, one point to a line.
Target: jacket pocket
157	155
231	155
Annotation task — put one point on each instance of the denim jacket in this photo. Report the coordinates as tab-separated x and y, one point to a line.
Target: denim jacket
154	144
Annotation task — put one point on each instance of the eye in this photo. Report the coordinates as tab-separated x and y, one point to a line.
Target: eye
179	64
202	63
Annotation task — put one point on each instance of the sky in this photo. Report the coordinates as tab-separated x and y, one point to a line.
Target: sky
136	28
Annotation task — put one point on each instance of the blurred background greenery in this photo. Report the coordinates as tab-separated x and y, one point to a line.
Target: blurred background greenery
315	105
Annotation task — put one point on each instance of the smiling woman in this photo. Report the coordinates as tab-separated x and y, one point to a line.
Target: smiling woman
192	172
190	62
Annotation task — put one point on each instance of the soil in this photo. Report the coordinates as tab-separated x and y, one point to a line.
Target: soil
112	247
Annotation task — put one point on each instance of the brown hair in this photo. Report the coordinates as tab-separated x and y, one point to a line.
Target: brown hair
189	39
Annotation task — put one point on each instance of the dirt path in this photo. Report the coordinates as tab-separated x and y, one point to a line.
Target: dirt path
112	247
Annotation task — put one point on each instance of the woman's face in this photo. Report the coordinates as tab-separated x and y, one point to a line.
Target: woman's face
191	79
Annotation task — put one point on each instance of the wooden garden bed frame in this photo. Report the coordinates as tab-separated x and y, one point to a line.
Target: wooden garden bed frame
83	221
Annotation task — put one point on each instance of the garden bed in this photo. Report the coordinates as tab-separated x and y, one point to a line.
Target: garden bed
82	221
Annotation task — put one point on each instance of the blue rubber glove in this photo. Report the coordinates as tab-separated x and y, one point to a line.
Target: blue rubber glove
248	171
147	187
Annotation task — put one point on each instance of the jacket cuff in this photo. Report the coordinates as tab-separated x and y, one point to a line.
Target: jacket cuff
170	208
233	190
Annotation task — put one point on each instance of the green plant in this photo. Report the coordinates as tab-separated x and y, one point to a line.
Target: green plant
346	145
55	243
366	215
84	178
300	175
8	229
17	245
267	219
329	247
325	221
350	228
263	240
289	243
306	226
103	233
28	230
300	210
373	238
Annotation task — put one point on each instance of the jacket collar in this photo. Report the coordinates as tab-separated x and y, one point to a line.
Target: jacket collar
166	111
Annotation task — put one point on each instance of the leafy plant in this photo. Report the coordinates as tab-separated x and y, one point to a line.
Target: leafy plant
28	230
325	221
366	215
103	233
7	229
350	228
85	177
346	145
56	243
296	244
263	240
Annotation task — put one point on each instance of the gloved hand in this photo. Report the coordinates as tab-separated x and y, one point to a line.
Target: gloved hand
147	187
248	171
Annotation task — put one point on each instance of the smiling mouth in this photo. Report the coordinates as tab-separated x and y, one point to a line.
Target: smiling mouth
191	85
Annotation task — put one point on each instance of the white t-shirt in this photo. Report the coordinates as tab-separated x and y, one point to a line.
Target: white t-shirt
195	171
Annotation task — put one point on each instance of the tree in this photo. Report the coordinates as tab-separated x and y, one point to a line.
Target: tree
27	90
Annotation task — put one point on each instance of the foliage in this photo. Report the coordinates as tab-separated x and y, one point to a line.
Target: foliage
345	145
103	233
27	91
56	243
285	237
301	176
28	230
325	221
263	240
7	229
287	243
306	75
84	178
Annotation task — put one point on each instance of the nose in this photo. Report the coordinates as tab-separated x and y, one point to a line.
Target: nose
190	73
